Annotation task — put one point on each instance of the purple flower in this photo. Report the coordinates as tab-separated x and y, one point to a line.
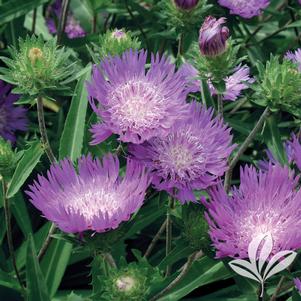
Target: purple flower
118	34
94	198
193	155
12	118
295	148
186	4
191	75
266	201
245	8
235	83
134	103
72	28
295	57
213	36
297	283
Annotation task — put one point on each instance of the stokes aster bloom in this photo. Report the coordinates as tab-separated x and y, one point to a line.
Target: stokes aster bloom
94	198
12	118
297	283
134	103
295	57
266	201
213	37
192	156
235	83
245	8
186	4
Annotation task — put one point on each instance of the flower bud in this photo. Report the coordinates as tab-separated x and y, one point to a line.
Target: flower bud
213	37
119	34
186	4
35	54
125	283
7	158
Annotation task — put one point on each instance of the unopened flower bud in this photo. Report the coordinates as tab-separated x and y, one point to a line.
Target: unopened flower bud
186	4
119	34
125	283
35	54
213	37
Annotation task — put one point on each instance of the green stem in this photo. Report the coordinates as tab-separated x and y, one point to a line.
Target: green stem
244	146
63	19
169	233
46	242
9	235
43	131
220	104
34	20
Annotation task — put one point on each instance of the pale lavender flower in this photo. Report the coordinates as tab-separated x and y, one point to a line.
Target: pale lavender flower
186	4
213	37
72	29
235	83
295	57
93	198
245	8
12	118
191	75
297	283
266	201
118	34
192	157
134	103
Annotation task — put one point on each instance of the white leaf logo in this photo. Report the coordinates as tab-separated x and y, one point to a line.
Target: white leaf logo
259	251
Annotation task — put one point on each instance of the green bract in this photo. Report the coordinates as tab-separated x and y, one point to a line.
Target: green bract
36	66
131	282
113	42
279	86
7	158
183	21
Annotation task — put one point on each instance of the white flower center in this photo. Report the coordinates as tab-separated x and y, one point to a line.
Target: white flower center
125	283
137	105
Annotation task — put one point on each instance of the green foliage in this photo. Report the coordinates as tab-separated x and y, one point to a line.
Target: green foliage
279	85
37	66
7	158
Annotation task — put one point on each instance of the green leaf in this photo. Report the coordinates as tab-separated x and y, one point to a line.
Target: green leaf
24	168
73	133
54	264
15	8
36	285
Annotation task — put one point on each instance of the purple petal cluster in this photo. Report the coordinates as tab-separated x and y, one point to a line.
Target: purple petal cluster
213	36
192	156
245	8
235	83
186	4
266	201
93	198
295	57
12	118
72	29
297	283
295	150
134	103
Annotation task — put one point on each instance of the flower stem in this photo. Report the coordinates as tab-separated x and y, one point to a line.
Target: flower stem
178	279
34	19
46	242
43	131
278	288
244	146
220	104
155	239
169	233
110	260
9	234
63	19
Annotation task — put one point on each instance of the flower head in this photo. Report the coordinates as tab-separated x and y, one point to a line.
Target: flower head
119	34
12	118
186	4
235	83
245	8
134	103
266	201
94	198
295	150
295	57
192	156
213	37
297	283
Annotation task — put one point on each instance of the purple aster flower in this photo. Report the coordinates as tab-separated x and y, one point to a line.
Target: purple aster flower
245	8
72	29
297	283
193	155
186	4
213	36
92	198
295	148
295	57
134	103
235	83
191	75
266	201
12	118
